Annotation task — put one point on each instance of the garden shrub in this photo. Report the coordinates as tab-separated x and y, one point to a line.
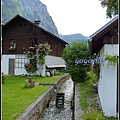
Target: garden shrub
75	52
3	78
91	77
36	58
36	75
92	115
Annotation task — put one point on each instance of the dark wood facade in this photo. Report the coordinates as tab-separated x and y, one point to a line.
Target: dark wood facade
108	35
21	32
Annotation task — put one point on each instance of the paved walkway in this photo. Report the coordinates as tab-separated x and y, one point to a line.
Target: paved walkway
77	111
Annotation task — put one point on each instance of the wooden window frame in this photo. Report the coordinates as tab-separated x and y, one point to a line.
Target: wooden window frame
12	43
33	42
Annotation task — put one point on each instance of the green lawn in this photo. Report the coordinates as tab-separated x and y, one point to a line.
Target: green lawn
87	100
85	93
15	97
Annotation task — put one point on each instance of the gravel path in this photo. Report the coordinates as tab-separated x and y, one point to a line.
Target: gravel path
53	113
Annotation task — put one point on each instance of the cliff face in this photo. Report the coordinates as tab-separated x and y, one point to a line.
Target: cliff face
31	10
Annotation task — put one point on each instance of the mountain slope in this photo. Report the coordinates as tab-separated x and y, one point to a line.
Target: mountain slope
74	38
35	10
31	10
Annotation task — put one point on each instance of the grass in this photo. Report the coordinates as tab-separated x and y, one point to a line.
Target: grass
86	93
88	101
59	73
15	97
109	118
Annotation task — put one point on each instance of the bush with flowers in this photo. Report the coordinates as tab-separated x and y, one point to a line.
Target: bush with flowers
30	68
36	58
41	51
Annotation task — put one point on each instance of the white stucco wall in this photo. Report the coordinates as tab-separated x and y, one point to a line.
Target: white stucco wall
43	69
5	63
107	88
20	71
49	60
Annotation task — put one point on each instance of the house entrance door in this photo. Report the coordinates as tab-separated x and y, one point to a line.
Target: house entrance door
11	66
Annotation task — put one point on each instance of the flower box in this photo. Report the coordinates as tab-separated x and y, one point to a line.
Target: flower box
11	48
32	48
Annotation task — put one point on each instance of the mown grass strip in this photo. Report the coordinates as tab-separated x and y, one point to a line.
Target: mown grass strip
85	93
86	99
15	97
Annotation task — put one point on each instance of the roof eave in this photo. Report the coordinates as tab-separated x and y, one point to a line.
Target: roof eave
36	26
102	28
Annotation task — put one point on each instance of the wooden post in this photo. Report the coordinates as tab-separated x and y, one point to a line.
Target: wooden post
60	100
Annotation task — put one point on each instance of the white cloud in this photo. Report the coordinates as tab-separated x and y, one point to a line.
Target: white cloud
76	16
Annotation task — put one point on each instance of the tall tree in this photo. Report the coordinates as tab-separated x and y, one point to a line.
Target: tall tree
76	56
112	7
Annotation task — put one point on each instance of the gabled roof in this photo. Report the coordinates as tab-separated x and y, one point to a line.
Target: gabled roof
103	28
96	41
18	16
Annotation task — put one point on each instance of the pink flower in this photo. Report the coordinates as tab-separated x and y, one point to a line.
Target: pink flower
26	64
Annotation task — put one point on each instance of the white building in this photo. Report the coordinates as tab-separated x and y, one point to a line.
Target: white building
18	61
102	42
19	33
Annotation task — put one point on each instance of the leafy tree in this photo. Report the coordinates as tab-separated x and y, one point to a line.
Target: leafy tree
72	54
112	7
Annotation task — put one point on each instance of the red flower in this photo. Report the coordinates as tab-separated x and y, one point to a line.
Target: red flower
26	64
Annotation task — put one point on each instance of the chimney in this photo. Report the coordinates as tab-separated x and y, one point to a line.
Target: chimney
37	22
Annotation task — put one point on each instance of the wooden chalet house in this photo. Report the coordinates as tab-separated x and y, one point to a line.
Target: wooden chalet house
20	32
102	42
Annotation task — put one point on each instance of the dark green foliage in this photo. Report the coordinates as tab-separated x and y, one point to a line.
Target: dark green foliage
112	60
112	7
3	78
39	57
92	115
30	68
74	52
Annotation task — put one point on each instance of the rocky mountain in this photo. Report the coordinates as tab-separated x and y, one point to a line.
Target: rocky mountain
74	38
35	10
31	10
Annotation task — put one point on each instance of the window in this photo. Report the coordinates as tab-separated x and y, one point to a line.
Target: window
20	61
33	42
12	44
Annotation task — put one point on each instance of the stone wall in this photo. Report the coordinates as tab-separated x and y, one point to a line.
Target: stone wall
35	110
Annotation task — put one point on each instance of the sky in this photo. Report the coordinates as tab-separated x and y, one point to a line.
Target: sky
77	16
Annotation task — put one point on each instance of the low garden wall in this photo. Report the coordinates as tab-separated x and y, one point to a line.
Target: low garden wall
36	109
